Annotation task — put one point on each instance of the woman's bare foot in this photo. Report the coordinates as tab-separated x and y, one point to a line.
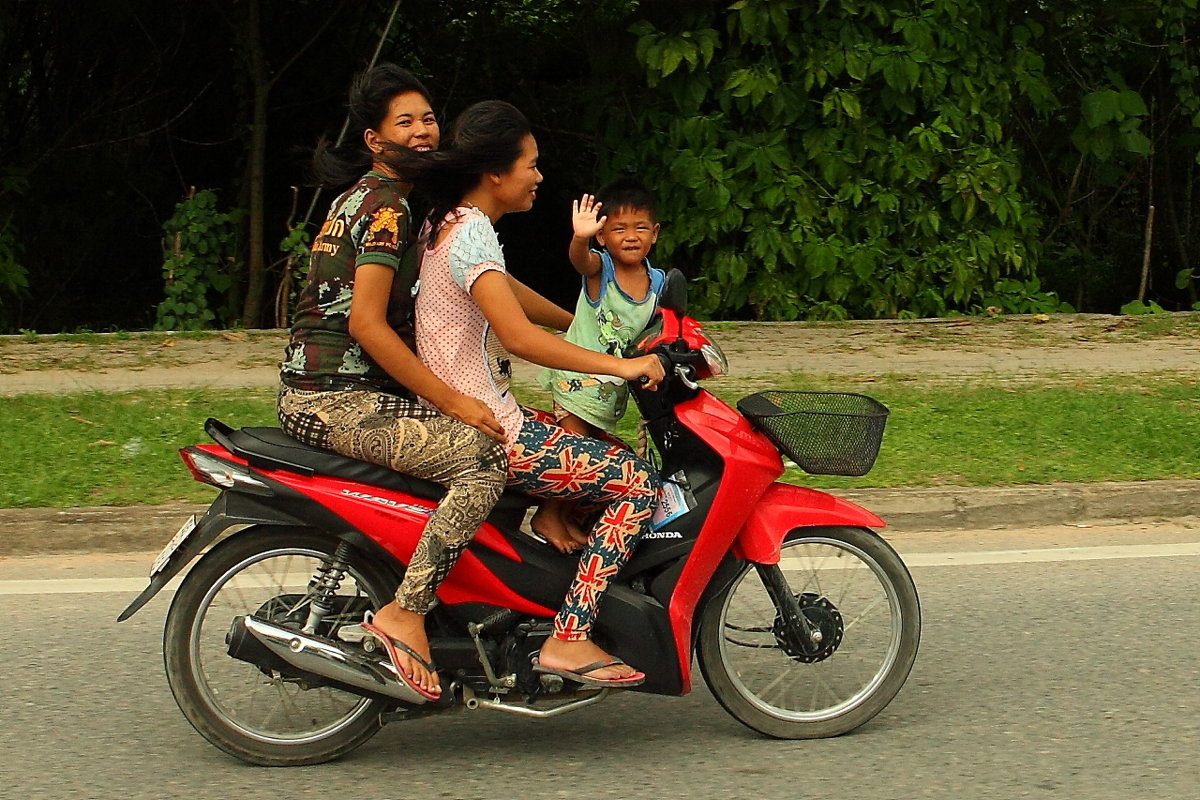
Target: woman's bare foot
552	523
409	627
560	654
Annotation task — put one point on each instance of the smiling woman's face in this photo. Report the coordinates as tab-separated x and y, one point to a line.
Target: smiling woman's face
409	122
516	189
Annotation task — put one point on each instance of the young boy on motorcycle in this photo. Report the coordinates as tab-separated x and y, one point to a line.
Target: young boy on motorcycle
618	297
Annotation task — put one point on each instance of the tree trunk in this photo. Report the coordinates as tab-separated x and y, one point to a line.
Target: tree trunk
256	268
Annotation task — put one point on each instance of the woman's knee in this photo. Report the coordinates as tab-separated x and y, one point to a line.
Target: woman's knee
643	481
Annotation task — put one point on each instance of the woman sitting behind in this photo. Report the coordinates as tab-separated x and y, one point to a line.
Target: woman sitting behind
349	378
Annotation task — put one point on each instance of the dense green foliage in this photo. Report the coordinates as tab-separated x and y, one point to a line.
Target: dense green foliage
878	158
816	158
838	159
1117	132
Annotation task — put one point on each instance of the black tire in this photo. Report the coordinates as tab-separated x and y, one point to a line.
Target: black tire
855	584
259	718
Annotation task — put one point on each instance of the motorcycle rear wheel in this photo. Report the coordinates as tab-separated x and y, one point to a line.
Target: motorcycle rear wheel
265	719
854	585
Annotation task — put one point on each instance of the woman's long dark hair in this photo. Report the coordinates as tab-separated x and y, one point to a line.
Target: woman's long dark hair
337	167
485	138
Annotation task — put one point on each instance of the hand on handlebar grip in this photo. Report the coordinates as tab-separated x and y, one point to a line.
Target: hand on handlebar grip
650	371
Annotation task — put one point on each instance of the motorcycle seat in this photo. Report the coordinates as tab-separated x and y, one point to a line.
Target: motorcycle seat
271	448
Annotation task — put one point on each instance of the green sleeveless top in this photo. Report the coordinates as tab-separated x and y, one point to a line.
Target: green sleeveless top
608	325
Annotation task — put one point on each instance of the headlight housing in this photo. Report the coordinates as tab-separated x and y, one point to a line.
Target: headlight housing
714	359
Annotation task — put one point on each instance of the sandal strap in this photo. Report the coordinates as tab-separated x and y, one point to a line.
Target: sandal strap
595	665
399	645
369	627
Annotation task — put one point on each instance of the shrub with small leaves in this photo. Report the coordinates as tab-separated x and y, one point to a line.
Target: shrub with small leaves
12	271
199	263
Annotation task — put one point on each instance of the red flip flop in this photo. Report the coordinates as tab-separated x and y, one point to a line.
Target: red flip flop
392	645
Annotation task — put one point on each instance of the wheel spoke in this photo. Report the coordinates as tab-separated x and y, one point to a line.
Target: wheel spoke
276	586
863	614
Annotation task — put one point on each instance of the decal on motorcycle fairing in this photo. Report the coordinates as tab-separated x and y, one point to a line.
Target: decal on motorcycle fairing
662	535
383	501
674	500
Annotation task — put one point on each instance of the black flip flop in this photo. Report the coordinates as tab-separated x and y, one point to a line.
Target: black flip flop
392	645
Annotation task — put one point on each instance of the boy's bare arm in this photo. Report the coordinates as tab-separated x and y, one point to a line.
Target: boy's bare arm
585	260
587	222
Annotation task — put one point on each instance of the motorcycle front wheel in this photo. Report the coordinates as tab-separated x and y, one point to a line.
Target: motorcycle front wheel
857	593
266	719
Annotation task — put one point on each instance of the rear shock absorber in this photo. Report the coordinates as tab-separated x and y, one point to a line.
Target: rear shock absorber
324	587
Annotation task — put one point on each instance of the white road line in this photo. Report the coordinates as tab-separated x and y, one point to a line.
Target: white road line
130	586
1052	554
960	559
822	558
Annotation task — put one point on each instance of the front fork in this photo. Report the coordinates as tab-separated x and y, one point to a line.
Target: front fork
802	631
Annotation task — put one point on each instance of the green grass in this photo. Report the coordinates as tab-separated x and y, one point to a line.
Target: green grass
120	449
997	434
112	449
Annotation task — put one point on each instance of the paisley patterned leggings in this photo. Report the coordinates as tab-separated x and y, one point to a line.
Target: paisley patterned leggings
547	461
407	437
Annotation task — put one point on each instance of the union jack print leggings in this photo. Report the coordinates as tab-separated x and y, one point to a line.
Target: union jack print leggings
548	461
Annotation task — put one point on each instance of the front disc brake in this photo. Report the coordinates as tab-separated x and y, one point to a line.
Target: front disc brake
824	617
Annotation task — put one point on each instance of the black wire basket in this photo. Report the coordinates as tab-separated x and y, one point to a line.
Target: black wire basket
825	433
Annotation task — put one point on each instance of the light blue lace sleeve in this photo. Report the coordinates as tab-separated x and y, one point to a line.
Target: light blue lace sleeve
474	243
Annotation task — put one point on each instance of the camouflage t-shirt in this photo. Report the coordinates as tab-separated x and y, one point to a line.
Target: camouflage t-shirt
368	224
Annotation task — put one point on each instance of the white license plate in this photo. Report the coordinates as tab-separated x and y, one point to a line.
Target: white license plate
173	545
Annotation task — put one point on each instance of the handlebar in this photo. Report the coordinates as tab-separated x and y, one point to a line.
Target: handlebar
666	365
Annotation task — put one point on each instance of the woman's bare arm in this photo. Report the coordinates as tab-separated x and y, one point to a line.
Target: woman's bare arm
494	296
538	309
369	327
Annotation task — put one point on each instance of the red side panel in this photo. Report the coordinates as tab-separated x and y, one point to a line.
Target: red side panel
395	521
751	464
675	327
785	507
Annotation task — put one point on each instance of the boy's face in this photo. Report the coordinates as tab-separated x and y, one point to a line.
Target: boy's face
628	235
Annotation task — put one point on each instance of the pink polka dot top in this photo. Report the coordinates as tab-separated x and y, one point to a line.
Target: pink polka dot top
454	338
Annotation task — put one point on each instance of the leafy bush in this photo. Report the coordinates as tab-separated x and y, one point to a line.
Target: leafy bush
198	264
1012	296
1139	308
833	159
12	272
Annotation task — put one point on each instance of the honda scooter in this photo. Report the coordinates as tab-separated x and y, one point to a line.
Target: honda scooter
805	623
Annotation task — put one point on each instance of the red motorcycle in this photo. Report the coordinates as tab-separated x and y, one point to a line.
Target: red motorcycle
805	623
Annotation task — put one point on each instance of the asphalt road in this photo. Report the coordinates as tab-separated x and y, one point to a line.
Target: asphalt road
1058	662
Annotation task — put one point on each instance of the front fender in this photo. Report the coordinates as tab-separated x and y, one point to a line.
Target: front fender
784	508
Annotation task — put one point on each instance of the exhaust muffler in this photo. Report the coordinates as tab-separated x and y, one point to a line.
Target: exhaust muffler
299	655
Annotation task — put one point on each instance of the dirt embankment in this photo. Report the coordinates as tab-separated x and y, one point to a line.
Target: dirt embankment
951	349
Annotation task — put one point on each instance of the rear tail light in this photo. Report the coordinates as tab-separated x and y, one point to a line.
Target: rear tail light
220	473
